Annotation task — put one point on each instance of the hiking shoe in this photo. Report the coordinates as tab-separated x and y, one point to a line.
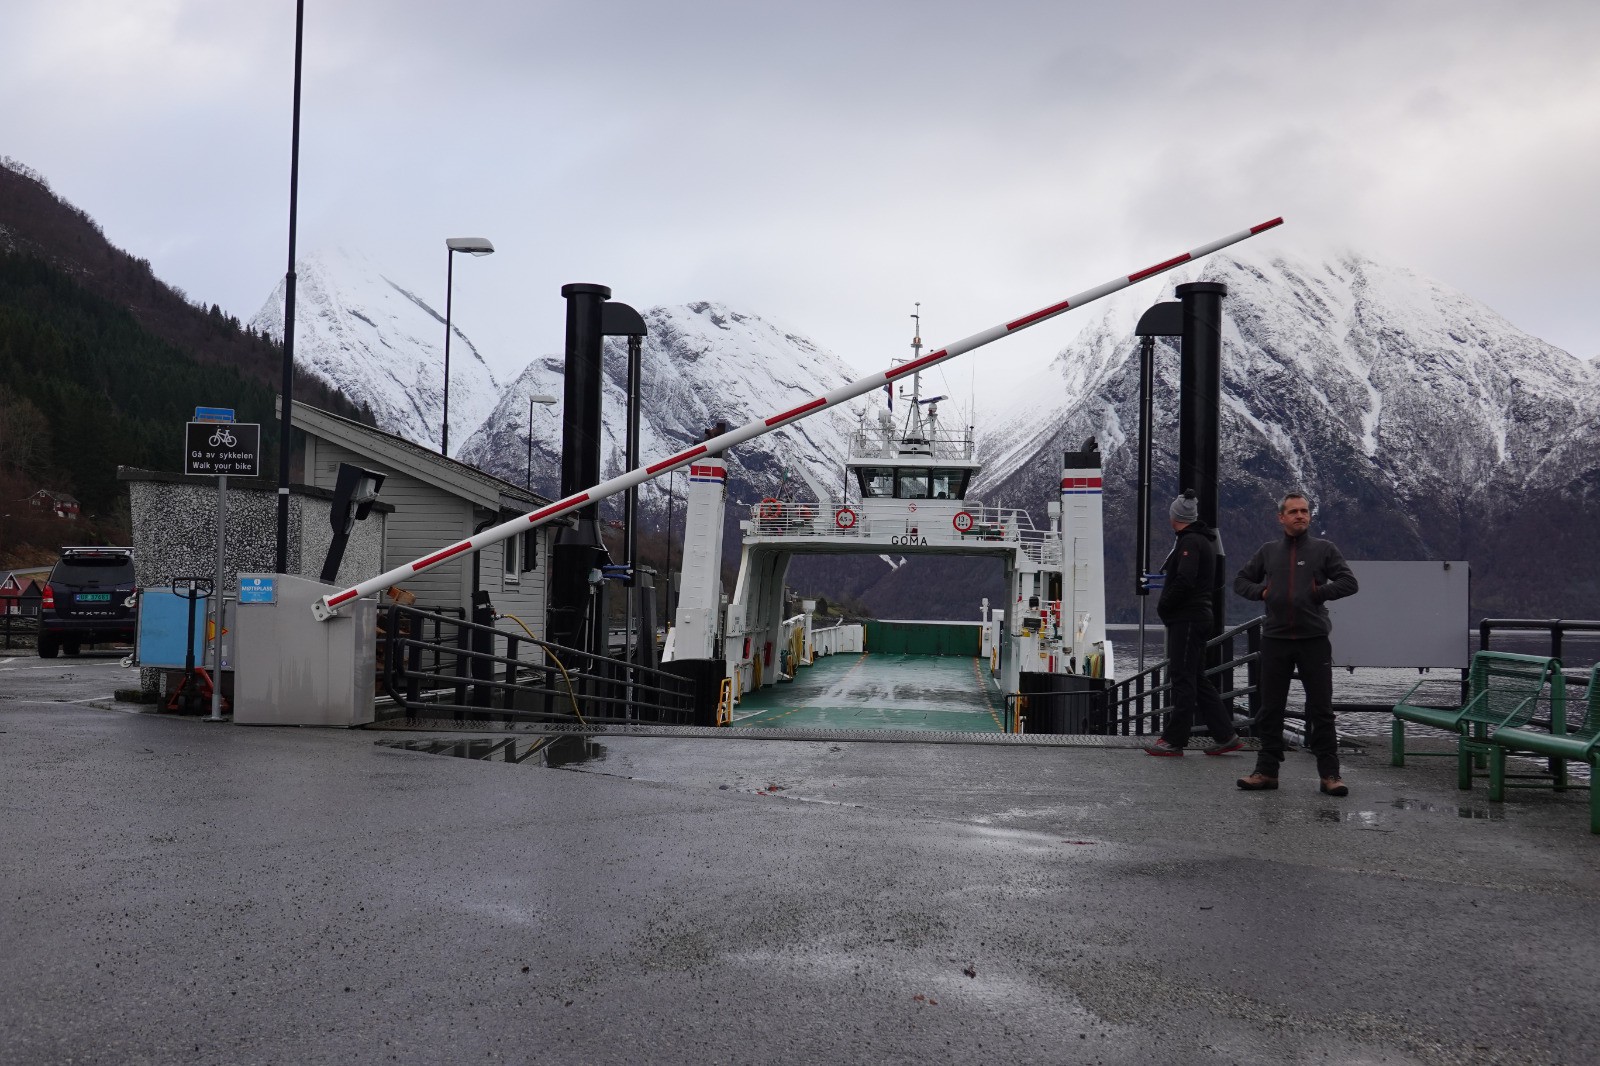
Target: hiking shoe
1257	782
1333	786
1222	747
1161	747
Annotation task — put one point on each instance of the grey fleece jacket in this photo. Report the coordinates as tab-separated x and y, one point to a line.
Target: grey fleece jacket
1300	574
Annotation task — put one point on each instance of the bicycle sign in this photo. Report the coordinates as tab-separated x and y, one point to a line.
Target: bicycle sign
222	450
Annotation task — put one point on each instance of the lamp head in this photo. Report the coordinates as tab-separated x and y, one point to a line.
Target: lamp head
470	245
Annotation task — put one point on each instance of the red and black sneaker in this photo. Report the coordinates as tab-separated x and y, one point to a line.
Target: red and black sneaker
1161	747
1222	747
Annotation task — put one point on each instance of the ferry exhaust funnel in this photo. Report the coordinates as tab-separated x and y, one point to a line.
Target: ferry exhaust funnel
329	605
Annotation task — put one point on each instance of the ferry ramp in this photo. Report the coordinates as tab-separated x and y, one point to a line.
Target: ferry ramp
894	691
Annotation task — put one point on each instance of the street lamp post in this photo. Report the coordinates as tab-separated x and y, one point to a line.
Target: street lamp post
472	246
547	400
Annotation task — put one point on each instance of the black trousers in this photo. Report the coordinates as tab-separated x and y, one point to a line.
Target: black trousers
1192	692
1314	658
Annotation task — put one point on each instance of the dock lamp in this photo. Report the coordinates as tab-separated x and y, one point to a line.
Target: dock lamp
353	496
471	246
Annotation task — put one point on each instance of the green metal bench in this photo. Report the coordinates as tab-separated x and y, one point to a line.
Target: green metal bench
1580	742
1503	691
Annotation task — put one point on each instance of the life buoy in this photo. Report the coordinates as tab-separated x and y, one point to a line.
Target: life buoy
844	518
770	508
962	521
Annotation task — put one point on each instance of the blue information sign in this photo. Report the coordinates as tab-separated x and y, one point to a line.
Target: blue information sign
257	590
214	414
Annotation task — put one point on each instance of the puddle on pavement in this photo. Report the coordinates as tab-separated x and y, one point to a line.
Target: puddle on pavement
1375	820
554	752
1489	814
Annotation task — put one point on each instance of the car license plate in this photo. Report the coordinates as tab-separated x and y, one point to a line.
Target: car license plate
94	597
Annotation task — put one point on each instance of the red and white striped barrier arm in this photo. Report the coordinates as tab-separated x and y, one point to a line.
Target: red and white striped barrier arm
329	605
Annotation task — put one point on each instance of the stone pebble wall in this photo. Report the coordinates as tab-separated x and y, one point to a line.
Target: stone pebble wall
175	535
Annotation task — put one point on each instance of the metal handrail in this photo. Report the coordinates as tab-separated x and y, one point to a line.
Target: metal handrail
1152	687
1557	628
456	673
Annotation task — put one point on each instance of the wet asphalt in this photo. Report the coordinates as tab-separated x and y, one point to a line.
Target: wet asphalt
176	891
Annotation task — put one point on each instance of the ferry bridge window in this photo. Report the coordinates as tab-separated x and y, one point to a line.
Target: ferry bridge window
912	485
876	481
949	484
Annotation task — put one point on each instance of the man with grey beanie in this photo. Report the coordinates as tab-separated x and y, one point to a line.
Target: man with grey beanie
1293	576
1185	609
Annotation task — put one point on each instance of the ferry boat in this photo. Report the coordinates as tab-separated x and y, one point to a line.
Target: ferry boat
908	494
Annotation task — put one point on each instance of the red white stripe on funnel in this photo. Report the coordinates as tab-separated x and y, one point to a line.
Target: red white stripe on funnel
328	605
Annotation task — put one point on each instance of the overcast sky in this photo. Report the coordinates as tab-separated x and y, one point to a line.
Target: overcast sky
821	164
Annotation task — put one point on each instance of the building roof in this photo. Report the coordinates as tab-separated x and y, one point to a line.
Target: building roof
425	465
18	581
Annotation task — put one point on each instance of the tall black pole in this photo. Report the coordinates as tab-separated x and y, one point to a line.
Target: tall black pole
1161	320
449	289
630	504
579	551
287	401
1147	373
527	478
1200	411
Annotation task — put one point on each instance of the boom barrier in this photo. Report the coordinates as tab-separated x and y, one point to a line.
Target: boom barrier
328	606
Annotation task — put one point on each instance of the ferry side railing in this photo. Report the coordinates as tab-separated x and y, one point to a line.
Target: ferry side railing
436	663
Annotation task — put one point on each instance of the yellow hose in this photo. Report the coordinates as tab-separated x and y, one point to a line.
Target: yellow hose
559	665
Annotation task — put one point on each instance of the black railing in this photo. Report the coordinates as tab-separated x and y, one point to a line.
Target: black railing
1554	628
1140	704
19	631
436	662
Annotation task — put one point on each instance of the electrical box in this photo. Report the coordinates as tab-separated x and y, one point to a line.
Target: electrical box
292	670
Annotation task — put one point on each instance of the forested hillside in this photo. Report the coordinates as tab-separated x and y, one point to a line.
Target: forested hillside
101	364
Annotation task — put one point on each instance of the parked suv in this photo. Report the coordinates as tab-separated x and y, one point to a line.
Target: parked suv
89	599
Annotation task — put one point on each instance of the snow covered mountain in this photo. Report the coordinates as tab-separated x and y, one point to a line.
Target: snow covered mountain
383	346
701	363
1422	423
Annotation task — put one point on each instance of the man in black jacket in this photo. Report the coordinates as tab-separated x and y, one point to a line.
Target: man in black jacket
1294	576
1185	608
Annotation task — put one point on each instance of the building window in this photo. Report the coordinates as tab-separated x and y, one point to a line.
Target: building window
511	560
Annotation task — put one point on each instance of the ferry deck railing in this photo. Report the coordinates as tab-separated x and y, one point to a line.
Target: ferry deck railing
837	519
936	446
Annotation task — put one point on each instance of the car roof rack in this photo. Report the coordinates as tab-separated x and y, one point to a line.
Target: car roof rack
94	548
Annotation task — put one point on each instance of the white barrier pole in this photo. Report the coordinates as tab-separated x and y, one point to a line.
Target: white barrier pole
326	607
